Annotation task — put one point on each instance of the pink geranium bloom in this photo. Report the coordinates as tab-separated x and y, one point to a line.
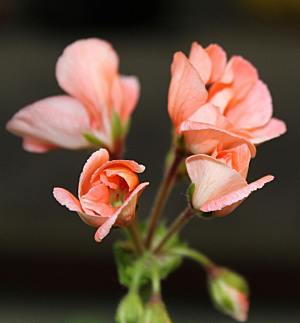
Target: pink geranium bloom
108	192
220	179
237	103
98	99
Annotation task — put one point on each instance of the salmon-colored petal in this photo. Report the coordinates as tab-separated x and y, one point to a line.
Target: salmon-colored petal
123	216
237	158
97	200
94	220
131	91
203	138
210	114
186	92
218	61
86	70
54	121
96	160
273	129
67	199
212	178
221	98
129	176
254	111
201	61
36	146
235	195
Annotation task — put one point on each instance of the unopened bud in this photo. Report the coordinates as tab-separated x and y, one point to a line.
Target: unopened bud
130	309
229	293
155	311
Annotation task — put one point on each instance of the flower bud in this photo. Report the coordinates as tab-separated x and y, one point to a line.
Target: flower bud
229	293
155	311
130	309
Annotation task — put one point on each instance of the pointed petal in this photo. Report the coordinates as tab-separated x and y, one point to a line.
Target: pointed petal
123	215
273	129
96	160
254	111
54	121
86	70
235	195
186	92
67	199
201	61
212	178
202	138
218	61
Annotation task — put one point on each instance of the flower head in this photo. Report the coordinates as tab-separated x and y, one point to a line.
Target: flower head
220	180
96	110
211	99
107	193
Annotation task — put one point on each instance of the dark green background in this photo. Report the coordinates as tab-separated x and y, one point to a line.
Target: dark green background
51	270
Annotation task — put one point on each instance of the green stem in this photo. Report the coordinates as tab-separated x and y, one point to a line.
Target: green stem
135	283
179	222
199	257
163	193
155	280
136	237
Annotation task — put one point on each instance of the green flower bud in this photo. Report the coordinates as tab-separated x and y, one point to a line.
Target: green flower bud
155	311
130	309
229	293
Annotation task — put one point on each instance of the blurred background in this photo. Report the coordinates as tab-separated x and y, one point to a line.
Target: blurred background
51	270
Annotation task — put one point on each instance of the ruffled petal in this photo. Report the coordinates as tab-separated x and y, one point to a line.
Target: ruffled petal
254	111
273	129
201	61
212	178
234	196
57	121
186	92
203	138
67	199
218	61
96	160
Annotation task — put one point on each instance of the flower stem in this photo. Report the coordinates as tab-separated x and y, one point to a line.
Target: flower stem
163	193
136	237
179	222
197	256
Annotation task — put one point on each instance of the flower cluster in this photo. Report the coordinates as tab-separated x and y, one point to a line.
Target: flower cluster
220	111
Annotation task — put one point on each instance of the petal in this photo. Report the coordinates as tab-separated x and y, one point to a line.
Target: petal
218	61
96	160
67	199
234	196
130	92
210	114
36	146
212	178
201	61
240	74
86	70
54	121
202	138
186	92
254	111
123	215
129	176
221	98
273	129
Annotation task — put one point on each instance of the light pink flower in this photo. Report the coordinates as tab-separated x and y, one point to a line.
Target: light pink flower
107	193
97	95
220	179
209	97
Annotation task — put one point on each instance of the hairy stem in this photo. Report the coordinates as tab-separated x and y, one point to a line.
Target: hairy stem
163	193
179	222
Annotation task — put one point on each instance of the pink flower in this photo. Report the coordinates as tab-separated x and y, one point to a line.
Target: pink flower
97	108
107	193
238	105
220	180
